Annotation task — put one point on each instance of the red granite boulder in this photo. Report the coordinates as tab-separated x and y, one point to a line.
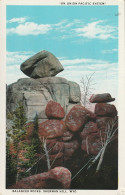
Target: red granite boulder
77	117
91	144
88	129
54	110
101	98
104	109
103	121
51	129
54	146
70	148
67	136
63	175
56	178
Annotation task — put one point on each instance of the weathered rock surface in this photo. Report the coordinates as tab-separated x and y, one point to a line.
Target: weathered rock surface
89	128
54	146
70	148
36	93
42	64
103	121
56	178
104	109
91	143
52	129
101	98
54	110
77	117
67	136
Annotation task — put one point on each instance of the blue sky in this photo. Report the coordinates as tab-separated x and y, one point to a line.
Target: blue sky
84	38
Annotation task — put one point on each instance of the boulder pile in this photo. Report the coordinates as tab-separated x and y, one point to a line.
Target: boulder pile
95	132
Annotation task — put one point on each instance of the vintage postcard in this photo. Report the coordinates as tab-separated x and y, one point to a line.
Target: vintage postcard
62	97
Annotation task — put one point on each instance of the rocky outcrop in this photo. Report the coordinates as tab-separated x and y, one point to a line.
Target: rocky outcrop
57	178
68	132
36	93
42	64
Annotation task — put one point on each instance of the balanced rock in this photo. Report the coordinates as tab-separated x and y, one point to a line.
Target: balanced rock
101	98
42	64
54	110
52	128
77	117
104	109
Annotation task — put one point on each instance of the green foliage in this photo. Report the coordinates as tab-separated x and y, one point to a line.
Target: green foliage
10	166
35	138
25	151
14	136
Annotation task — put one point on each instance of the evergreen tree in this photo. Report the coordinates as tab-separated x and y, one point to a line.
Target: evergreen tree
14	136
35	138
10	168
32	150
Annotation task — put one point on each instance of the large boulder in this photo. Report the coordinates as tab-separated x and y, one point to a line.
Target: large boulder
42	64
78	117
36	93
101	98
56	178
51	129
104	109
54	110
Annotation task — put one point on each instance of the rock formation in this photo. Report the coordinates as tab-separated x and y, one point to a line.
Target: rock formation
69	131
36	93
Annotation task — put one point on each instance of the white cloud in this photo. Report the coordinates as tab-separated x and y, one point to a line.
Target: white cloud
80	61
13	58
13	73
109	51
30	28
65	24
17	20
97	30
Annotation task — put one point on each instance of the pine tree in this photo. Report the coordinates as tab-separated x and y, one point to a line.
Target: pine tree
32	150
10	168
35	138
15	135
